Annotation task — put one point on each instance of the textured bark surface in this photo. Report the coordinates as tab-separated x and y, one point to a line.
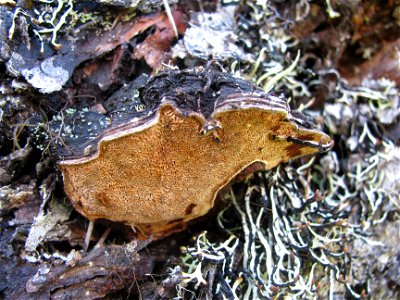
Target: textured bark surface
97	64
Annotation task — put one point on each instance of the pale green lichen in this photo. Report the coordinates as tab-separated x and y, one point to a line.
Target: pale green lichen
291	232
331	12
50	20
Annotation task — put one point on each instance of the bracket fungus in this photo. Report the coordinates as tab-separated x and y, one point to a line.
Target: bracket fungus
165	166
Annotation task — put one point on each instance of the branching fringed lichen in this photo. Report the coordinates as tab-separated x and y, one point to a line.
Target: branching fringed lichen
297	225
56	21
205	252
331	12
278	76
48	17
269	70
369	151
291	238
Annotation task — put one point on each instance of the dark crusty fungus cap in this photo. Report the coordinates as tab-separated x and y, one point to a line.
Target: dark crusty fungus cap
162	169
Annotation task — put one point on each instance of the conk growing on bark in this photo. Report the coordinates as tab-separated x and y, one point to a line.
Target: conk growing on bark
197	131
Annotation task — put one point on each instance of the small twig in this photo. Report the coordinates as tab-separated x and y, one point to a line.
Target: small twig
170	17
100	242
88	236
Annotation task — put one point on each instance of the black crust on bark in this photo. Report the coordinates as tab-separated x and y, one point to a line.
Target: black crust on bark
200	91
195	91
77	134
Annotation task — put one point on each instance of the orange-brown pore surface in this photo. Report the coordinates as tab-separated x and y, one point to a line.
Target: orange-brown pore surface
164	172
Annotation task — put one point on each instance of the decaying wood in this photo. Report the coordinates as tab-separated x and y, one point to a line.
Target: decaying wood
99	272
95	75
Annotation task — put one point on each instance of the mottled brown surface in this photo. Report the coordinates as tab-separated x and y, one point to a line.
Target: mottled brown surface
165	170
